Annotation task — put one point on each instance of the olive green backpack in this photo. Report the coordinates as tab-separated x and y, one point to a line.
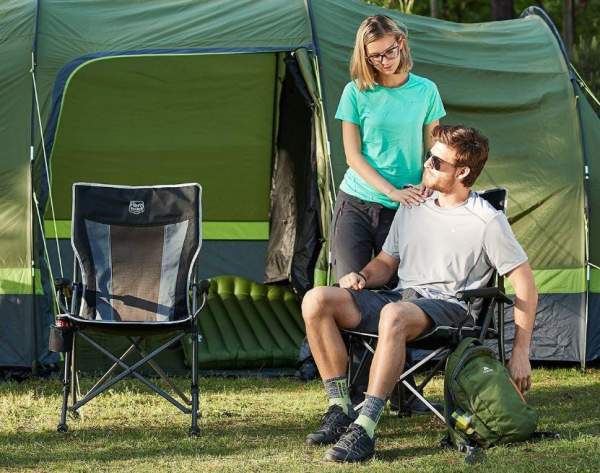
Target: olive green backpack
483	407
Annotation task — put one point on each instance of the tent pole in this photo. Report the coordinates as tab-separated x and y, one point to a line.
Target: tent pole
330	177
34	351
34	361
34	308
586	217
322	99
587	291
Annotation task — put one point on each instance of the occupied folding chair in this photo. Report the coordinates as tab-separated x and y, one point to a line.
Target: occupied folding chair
136	250
440	341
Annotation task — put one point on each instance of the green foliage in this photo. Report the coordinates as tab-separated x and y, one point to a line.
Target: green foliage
586	59
405	6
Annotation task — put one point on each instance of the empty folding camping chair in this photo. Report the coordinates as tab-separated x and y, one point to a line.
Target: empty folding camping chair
136	250
441	340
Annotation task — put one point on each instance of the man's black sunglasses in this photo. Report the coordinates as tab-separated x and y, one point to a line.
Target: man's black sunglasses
436	162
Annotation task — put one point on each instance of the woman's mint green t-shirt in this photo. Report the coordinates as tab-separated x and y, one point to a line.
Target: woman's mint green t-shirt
391	121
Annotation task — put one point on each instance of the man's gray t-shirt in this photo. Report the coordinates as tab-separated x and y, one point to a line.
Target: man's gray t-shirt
446	250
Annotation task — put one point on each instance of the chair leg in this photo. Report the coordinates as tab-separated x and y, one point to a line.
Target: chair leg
194	430
501	352
350	371
62	426
354	373
400	401
130	371
74	377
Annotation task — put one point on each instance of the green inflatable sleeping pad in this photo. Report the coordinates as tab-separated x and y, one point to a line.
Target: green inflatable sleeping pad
248	325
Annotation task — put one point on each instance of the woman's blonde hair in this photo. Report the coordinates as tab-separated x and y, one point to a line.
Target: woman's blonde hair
371	29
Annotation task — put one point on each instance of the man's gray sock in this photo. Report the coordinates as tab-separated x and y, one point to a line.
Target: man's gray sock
337	392
370	413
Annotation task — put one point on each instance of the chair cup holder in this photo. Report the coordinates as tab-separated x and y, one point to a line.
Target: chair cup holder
61	339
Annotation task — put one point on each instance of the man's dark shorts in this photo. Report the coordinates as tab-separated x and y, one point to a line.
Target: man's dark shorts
442	313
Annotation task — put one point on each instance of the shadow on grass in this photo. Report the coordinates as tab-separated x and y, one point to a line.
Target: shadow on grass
213	385
569	410
393	454
89	444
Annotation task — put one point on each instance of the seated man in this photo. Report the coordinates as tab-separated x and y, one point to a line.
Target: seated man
452	242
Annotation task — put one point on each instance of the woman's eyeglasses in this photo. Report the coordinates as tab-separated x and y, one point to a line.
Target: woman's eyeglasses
390	53
436	162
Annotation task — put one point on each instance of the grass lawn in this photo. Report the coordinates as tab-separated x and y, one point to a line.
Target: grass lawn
260	425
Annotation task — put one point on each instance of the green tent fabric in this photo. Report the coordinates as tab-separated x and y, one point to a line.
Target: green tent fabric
172	91
18	325
523	102
591	139
510	80
126	98
156	78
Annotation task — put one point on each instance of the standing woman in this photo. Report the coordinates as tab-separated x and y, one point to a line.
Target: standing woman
387	116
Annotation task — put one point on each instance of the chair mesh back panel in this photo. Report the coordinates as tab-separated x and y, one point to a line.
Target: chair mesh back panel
495	197
135	247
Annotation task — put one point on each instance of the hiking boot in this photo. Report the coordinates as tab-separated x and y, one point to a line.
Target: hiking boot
354	446
333	424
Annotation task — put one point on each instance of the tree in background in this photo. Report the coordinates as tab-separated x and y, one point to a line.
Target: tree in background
502	10
569	25
405	6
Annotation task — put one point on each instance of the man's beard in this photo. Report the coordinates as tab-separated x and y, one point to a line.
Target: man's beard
437	185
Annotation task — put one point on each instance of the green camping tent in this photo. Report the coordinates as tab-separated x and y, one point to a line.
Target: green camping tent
241	98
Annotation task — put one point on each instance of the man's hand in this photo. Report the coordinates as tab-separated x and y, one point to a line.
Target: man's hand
520	370
353	281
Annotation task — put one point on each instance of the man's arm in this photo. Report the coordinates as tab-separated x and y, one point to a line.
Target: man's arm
375	274
526	299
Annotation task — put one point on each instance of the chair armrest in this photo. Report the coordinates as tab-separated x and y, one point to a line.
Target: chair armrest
64	291
203	286
61	283
63	287
484	293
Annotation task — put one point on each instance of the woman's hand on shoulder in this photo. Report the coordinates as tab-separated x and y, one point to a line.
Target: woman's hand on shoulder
408	197
425	191
352	281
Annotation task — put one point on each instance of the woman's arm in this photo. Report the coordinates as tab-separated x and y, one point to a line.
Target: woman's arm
356	161
427	134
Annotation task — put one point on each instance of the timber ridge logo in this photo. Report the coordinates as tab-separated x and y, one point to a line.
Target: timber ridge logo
136	207
487	369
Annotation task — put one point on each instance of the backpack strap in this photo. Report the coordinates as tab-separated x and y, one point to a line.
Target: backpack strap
449	408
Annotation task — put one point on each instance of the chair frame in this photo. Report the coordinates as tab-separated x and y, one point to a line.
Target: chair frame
494	300
70	324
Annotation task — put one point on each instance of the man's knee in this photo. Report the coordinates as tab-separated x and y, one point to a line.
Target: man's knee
315	304
394	320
